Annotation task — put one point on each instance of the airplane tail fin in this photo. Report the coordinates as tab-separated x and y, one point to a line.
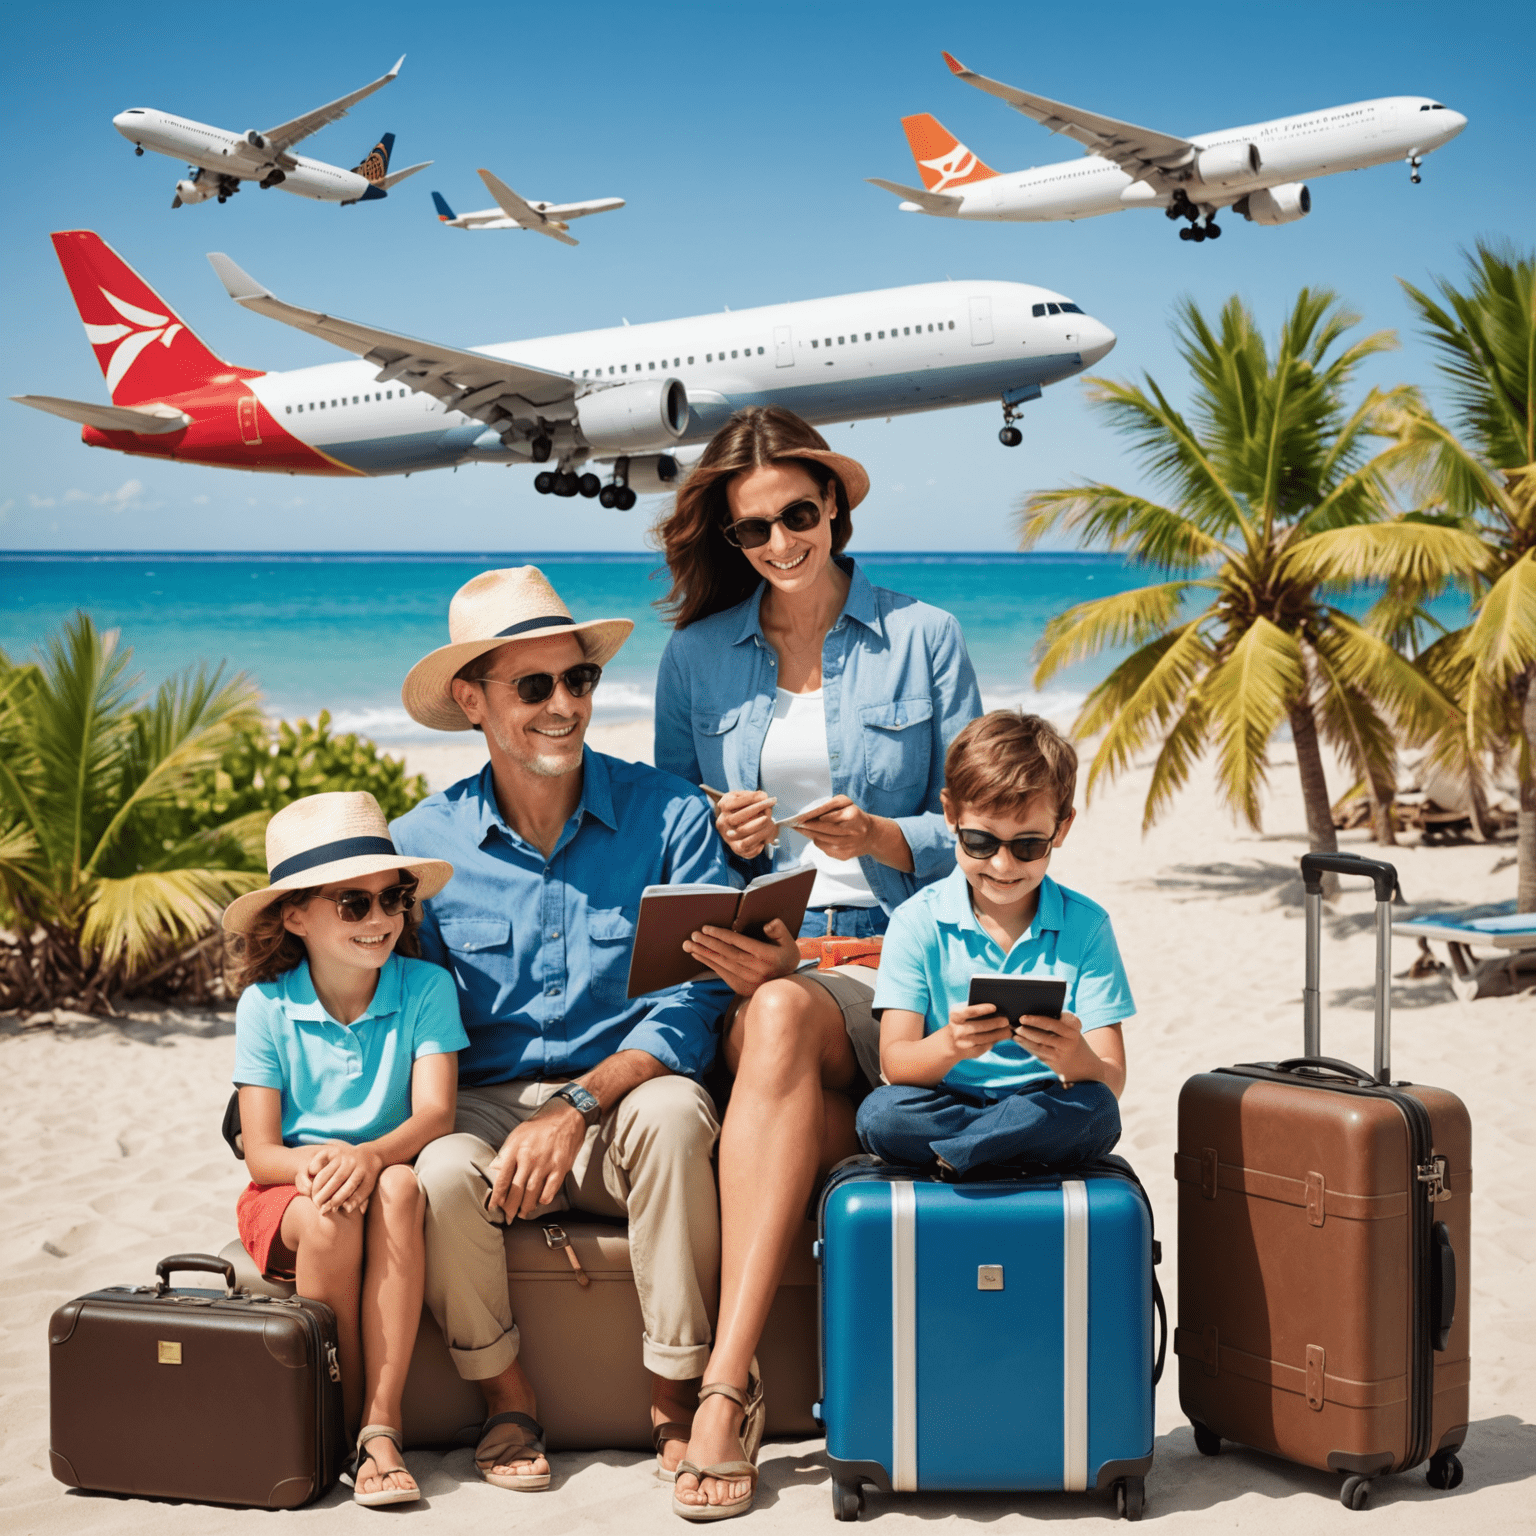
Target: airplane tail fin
144	348
374	166
942	160
444	212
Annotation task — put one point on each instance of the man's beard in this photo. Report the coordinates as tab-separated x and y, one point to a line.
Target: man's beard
541	765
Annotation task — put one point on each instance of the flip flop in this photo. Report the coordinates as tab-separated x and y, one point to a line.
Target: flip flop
368	1434
504	1439
660	1434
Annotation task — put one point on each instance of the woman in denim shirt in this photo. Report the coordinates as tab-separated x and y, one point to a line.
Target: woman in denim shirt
789	679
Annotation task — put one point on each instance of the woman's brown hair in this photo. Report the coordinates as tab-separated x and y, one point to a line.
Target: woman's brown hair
709	574
267	950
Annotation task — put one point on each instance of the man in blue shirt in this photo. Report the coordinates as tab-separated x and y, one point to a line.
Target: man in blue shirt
570	1094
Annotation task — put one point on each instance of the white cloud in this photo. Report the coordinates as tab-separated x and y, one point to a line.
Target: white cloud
200	501
125	495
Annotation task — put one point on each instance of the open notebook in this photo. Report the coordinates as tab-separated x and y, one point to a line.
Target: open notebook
669	914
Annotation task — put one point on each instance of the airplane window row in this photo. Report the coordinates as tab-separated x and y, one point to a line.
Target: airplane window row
1435	107
387	394
1054	309
826	341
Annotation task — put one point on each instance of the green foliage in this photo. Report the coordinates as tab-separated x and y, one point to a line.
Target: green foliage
270	765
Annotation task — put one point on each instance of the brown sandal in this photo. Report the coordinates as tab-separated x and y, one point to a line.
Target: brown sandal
754	1415
507	1438
660	1434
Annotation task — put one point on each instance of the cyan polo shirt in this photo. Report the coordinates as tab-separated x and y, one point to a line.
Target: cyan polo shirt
935	945
345	1082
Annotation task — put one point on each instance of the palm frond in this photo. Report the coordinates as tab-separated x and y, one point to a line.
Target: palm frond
1349	721
1123	618
1409	551
1500	642
137	918
1360	659
1105	517
1181	749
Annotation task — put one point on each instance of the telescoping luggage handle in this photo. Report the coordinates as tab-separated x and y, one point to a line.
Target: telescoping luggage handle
1384	877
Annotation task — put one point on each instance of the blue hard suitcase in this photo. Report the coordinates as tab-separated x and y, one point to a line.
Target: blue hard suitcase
987	1336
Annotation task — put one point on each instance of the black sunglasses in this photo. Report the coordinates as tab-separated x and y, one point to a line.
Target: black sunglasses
536	687
983	845
354	906
754	532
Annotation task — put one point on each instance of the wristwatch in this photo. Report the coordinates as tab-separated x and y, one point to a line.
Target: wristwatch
584	1103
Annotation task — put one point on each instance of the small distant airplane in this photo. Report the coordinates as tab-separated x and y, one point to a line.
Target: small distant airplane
514	212
219	160
1256	171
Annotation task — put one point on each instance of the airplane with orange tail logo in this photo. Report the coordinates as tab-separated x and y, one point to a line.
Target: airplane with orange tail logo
219	160
1258	171
640	398
515	212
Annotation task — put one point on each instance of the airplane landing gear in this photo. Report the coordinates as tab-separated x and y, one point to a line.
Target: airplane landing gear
539	449
589	485
138	149
1010	436
617	494
1414	162
1210	230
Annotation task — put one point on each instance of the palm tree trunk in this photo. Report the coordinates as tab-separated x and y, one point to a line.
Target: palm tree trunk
1314	788
1525	826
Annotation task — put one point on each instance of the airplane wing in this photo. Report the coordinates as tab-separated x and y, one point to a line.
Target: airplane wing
934	202
398	176
521	212
286	135
1142	153
566	211
147	420
487	388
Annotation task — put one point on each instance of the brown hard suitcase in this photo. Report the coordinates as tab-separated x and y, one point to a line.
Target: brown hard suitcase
223	1397
1324	1238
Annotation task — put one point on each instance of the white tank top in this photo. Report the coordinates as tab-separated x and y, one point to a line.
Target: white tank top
795	769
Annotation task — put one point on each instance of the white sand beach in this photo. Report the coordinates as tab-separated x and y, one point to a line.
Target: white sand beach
109	1141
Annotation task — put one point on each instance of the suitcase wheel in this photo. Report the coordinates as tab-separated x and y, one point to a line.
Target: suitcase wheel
1130	1497
1207	1441
847	1500
1354	1492
1444	1470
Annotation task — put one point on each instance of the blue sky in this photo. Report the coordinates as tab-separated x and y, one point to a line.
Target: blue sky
740	136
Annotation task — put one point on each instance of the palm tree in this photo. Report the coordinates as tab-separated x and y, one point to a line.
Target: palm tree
1277	500
1485	481
96	890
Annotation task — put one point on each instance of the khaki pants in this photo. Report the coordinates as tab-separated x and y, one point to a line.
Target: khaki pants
648	1160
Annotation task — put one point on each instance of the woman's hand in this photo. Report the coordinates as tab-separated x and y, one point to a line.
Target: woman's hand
744	964
974	1029
744	819
341	1177
843	830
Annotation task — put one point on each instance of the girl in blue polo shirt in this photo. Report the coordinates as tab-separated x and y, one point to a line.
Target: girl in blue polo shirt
346	1062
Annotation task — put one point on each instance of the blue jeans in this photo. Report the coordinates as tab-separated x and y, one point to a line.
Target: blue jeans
1053	1125
843	923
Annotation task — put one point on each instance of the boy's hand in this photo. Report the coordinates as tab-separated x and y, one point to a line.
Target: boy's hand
1060	1045
342	1177
975	1028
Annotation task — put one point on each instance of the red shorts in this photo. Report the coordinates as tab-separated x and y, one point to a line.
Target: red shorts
259	1215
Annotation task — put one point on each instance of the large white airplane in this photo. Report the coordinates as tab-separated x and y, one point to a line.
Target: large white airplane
1258	171
220	160
630	396
514	212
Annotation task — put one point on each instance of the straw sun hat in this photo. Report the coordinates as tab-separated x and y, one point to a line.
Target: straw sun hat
854	476
323	839
486	612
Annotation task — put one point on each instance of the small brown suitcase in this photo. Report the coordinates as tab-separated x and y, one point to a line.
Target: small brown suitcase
217	1396
1324	1237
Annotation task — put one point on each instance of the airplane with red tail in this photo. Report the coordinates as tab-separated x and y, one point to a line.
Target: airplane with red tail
633	397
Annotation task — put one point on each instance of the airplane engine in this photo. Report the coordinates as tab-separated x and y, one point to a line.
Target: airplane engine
254	139
1226	163
1284	204
652	414
654	475
195	191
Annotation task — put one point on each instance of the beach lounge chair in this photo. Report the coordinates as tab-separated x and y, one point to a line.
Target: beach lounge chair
1496	925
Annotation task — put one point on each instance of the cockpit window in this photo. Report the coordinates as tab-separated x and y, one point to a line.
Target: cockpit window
1070	309
1038	310
1433	106
1053	309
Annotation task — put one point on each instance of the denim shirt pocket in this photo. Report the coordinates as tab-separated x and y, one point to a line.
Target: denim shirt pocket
611	939
898	743
711	732
469	935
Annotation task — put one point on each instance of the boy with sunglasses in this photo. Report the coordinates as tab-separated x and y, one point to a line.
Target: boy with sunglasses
966	1090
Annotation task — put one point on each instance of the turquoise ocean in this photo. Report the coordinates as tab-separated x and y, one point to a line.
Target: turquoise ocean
340	631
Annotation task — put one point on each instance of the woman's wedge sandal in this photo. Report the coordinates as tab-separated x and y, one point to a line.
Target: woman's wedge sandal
754	1415
382	1496
507	1438
660	1434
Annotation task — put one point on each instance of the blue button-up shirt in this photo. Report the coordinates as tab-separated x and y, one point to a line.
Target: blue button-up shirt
540	947
897	686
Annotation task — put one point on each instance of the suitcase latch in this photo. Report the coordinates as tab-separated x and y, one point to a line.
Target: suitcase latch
1210	1172
332	1364
1317	1200
1432	1176
555	1237
989	1277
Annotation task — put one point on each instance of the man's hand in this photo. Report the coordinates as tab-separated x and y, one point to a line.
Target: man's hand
1059	1043
341	1177
744	820
974	1029
535	1159
744	964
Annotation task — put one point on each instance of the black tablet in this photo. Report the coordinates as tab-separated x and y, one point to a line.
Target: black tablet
1015	996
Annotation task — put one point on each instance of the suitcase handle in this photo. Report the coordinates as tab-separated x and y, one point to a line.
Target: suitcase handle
1331	1063
200	1261
1384	877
